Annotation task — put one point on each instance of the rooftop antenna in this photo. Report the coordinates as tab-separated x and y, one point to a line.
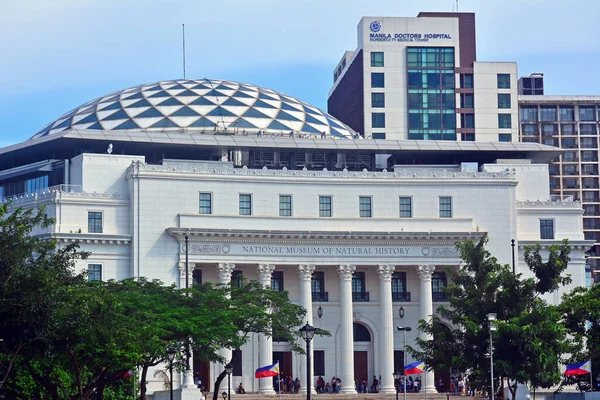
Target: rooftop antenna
183	28
456	5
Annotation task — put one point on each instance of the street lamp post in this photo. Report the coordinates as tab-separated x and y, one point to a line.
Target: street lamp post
229	370
308	332
171	357
492	318
397	377
404	329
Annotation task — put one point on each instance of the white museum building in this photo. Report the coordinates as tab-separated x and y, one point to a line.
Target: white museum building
270	188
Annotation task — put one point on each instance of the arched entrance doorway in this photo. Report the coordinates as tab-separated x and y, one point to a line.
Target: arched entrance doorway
363	353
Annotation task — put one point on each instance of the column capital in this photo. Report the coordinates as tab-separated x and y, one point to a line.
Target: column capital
346	271
425	272
305	271
224	271
385	272
265	271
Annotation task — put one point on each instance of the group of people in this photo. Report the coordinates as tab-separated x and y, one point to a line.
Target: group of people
333	386
457	385
363	385
286	384
412	385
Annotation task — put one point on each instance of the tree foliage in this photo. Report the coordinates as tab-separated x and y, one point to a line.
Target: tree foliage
581	314
529	341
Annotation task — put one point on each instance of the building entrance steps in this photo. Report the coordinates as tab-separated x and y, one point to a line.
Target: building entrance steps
359	396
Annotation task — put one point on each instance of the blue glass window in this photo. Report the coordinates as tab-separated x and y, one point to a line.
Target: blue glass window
377	100
94	272
94	222
405	207
285	206
245	204
377	80
505	137
364	205
546	229
378	135
378	120
503	81
377	59
325	203
503	100
445	207
205	203
504	121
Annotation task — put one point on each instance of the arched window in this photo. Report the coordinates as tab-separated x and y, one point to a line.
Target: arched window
361	333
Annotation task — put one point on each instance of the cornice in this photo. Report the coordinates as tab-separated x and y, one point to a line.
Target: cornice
321	237
545	244
89	238
139	168
548	204
58	195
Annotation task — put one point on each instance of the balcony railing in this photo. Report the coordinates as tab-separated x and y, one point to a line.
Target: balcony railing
439	296
401	296
320	296
360	297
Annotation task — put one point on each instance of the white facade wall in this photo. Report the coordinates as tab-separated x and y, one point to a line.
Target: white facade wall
142	216
485	78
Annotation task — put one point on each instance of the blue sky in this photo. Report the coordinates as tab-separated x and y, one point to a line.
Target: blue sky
56	55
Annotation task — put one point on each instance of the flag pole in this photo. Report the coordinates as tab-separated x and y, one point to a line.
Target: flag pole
279	379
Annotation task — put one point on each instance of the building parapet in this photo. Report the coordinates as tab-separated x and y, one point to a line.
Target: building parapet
62	192
139	167
566	203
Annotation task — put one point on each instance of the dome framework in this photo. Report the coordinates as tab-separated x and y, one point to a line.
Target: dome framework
200	104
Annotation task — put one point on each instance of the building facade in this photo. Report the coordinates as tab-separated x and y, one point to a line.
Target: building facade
571	123
300	211
419	79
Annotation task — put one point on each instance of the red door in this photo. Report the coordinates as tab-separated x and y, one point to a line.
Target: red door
361	369
202	369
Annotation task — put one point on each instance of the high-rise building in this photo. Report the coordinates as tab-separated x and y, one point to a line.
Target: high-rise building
419	79
571	123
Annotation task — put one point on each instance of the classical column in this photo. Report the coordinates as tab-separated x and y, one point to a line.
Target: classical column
265	343
386	330
305	272
182	274
426	300
188	375
346	328
224	272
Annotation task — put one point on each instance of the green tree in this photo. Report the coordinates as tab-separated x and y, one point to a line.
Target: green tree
32	273
529	341
581	314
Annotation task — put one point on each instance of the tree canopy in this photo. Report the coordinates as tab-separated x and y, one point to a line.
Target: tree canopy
529	342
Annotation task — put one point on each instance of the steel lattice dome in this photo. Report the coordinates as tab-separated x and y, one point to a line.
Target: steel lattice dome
199	104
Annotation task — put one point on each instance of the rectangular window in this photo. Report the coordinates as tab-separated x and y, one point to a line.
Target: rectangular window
378	120
364	206
277	281
36	184
467	120
503	100
377	80
466	81
587	113
378	135
197	277
548	114
405	207
94	222
318	286
504	121
359	292
94	272
529	113
236	355
237	279
445	207
399	292
546	229
319	357
325	203
503	81
285	206
466	100
567	114
377	59
245	204
205	203
505	137
438	283
377	100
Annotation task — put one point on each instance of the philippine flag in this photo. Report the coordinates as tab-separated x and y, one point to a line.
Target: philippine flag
578	369
414	368
269	370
